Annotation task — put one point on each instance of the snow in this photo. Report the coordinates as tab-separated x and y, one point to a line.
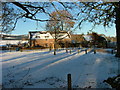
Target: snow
15	42
47	35
88	37
42	69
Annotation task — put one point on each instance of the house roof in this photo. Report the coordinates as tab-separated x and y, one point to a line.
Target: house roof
41	32
44	32
13	37
51	32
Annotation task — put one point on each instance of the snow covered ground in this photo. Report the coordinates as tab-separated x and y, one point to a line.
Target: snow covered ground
42	69
15	42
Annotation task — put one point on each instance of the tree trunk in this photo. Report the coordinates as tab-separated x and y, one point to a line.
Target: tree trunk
55	48
30	40
55	43
118	29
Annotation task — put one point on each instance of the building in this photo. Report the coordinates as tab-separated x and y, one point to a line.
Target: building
77	38
94	39
8	40
48	38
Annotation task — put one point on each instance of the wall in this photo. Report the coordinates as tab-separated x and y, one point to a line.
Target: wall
48	42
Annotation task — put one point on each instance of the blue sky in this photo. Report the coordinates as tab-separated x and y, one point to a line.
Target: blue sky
24	27
30	25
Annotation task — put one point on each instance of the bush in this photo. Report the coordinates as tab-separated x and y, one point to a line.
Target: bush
113	81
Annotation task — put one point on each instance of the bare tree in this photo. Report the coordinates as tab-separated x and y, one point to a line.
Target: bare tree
61	20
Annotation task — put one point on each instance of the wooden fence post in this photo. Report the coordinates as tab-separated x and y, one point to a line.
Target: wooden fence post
78	51
94	51
10	49
69	82
50	49
86	51
112	52
21	49
66	50
70	51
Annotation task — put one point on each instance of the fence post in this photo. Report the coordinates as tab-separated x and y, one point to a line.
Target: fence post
49	48
86	51
70	51
21	50
112	52
78	51
66	50
94	51
10	49
69	82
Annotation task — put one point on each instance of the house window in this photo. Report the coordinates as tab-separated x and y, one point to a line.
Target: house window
37	36
46	36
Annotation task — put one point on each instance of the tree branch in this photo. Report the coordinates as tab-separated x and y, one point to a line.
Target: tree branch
21	6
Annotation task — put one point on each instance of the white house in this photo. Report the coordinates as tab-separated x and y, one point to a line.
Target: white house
47	38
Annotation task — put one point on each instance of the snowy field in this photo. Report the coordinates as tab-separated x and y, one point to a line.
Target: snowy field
42	69
15	42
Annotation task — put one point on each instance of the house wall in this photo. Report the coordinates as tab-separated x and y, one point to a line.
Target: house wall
43	42
46	39
48	42
76	38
